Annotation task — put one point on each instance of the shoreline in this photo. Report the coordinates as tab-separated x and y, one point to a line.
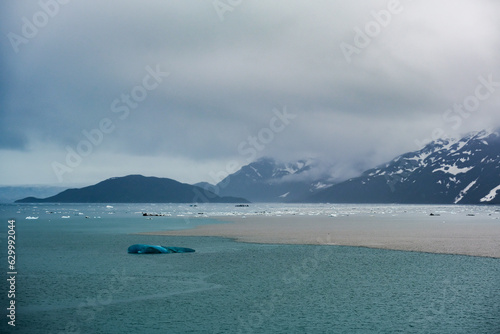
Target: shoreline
457	235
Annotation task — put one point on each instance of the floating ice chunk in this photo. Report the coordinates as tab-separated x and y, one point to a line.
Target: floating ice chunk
154	249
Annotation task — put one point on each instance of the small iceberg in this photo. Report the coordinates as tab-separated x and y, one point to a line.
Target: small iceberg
153	249
31	217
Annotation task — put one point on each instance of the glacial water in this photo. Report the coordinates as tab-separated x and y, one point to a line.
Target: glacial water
74	276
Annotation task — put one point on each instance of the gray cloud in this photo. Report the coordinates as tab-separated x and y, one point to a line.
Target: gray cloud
226	77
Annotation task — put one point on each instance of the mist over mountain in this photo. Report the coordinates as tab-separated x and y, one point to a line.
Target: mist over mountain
268	180
446	171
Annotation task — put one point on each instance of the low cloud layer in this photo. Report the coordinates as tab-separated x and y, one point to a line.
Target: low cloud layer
179	89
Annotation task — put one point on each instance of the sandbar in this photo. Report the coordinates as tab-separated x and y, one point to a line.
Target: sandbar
459	234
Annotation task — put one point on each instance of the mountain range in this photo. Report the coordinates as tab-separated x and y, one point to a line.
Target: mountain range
445	171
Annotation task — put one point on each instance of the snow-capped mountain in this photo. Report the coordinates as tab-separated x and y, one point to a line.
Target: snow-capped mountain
460	171
267	180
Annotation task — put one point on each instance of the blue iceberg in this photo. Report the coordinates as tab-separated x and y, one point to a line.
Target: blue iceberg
153	249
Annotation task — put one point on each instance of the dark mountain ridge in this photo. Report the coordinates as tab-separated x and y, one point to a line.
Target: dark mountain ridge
136	189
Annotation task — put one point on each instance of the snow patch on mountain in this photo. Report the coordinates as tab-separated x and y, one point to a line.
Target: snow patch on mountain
464	191
256	171
454	170
320	185
491	196
420	157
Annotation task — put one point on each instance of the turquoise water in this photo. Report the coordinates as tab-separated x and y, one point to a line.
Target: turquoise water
75	276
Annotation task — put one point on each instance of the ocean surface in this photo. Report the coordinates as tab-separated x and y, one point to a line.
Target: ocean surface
74	275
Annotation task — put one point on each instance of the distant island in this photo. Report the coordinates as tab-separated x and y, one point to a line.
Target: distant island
136	189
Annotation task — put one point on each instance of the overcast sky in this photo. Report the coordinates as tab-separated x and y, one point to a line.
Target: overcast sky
185	89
